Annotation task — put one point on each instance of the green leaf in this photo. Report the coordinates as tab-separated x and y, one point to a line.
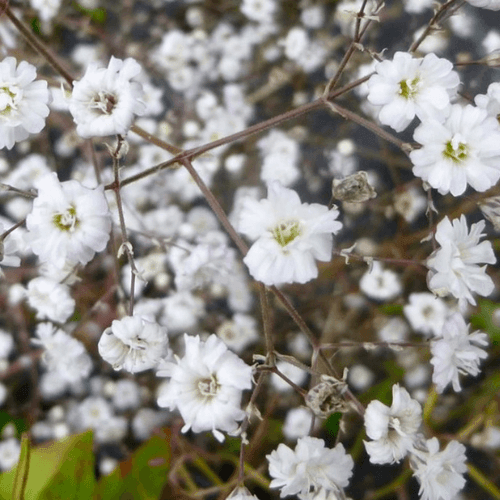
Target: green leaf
58	470
22	470
141	477
483	320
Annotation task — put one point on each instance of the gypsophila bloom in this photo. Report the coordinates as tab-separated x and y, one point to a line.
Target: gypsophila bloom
206	385
63	354
453	267
309	467
486	4
407	87
289	236
379	283
105	101
490	101
456	351
50	299
134	344
393	430
426	313
440	473
10	449
23	102
464	150
241	493
68	222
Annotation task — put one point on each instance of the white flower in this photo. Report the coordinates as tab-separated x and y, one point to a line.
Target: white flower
63	354
50	299
289	234
134	344
455	352
10	449
23	102
205	386
486	4
465	149
393	430
292	372
453	267
261	11
241	493
105	100
379	283
426	313
440	473
238	332
309	467
297	423
406	87
8	248
490	101
68	222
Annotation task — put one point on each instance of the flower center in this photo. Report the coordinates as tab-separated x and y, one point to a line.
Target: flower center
456	150
104	102
9	96
286	231
208	387
66	221
409	88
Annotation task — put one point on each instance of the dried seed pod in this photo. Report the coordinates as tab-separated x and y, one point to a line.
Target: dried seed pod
327	397
354	188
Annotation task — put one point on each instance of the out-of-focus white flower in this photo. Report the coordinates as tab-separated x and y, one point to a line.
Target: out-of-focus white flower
206	386
50	299
490	101
456	351
182	311
23	102
440	473
238	332
289	236
46	9
126	395
464	150
63	354
309	467
134	344
105	101
146	420
453	267
486	4
8	248
261	11
407	87
410	203
10	449
68	222
393	430
297	423
292	372
379	283
426	313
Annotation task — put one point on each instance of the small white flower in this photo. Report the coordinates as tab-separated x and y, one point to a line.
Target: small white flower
63	354
105	100
490	101
379	283
393	430
407	87
297	423
50	299
68	222
456	351
206	386
261	11
23	102
290	236
453	267
134	344
309	467
464	150
241	493
440	473
426	313
486	4
10	449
